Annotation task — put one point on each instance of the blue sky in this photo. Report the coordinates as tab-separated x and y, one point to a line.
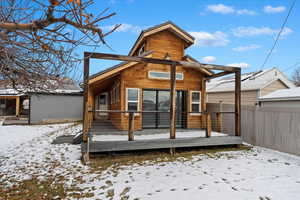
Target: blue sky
236	32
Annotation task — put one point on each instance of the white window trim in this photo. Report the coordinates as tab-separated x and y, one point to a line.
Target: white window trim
138	101
165	78
194	102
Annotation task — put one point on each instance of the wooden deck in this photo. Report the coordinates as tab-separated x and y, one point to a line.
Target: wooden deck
114	146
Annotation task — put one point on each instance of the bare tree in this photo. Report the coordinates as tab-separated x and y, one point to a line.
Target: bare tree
296	77
38	39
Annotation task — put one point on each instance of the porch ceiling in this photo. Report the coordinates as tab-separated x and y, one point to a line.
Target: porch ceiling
103	85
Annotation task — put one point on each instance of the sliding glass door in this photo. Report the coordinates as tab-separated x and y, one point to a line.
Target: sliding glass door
159	100
149	104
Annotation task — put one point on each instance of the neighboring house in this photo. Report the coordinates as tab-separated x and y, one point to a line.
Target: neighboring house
253	85
132	86
284	98
64	103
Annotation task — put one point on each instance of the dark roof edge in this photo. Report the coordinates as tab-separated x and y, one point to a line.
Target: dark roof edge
56	93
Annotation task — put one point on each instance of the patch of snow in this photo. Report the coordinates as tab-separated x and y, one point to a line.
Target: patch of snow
291	93
258	173
12	136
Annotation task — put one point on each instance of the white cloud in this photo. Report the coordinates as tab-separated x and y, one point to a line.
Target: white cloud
220	8
240	65
217	38
224	9
124	28
246	48
244	31
209	59
271	9
246	12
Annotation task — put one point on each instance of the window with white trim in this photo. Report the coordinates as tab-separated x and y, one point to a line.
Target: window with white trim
132	99
164	75
195	101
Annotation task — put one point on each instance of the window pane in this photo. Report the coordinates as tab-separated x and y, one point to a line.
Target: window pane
196	96
179	76
160	75
164	100
102	99
132	106
132	95
195	108
165	75
149	100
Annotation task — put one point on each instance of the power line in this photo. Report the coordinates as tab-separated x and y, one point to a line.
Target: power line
278	35
297	64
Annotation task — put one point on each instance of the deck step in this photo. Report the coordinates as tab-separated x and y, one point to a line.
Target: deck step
113	146
77	139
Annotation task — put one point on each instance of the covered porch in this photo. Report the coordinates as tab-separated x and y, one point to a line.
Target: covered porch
131	135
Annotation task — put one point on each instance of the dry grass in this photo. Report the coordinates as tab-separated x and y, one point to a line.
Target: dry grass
100	162
54	187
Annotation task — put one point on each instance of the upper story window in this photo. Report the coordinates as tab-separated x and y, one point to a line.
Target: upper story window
164	75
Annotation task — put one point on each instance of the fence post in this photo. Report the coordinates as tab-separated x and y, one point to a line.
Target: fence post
208	125
131	126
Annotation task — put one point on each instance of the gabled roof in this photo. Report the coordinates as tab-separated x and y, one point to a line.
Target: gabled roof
249	81
62	86
282	95
191	59
161	27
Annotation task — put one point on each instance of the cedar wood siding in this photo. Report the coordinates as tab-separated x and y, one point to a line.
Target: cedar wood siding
116	118
137	76
247	97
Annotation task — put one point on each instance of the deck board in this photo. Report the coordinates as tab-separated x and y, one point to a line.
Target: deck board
112	146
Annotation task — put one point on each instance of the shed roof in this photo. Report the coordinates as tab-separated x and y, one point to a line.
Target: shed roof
249	81
282	95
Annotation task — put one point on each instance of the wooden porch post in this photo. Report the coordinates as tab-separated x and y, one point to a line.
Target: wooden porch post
86	68
131	126
208	125
18	106
238	102
173	102
203	102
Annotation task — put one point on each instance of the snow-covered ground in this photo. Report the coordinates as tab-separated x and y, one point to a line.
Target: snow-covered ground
166	135
12	136
256	174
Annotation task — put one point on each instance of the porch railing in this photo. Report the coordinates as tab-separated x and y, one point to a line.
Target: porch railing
205	122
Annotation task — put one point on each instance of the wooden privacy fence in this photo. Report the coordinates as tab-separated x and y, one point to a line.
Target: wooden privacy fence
275	128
